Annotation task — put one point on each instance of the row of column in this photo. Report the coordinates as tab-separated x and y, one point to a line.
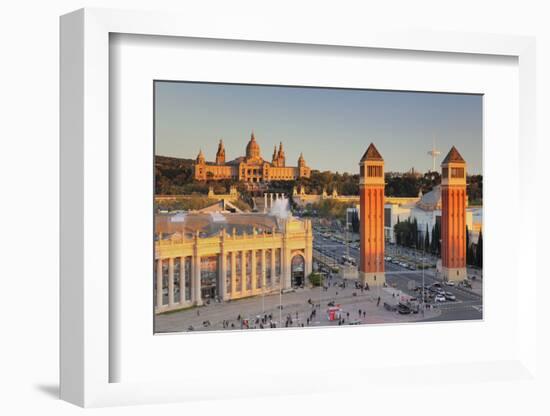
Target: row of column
195	283
272	197
196	295
224	292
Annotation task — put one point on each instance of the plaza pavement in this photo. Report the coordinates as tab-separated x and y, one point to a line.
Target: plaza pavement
296	304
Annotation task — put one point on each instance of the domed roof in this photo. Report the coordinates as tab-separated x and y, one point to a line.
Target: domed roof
431	200
252	148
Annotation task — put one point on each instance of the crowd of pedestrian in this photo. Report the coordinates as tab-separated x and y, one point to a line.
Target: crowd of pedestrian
304	318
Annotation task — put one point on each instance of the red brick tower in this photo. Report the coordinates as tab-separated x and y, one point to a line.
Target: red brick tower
371	193
453	216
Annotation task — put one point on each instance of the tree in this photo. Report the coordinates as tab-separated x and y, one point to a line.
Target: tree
315	279
355	221
405	233
426	239
436	236
468	258
414	237
470	255
479	251
470	252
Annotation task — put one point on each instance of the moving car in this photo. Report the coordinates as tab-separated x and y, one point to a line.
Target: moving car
403	309
389	307
439	298
450	296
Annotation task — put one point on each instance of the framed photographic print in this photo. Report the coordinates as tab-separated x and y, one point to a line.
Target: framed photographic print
254	241
251	206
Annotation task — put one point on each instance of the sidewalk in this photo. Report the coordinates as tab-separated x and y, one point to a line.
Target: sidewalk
296	305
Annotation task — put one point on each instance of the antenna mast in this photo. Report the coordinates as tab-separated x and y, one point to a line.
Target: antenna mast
434	153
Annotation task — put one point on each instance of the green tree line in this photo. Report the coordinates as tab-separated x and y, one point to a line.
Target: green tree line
174	176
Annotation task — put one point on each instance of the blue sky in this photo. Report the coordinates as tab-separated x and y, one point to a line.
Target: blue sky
332	127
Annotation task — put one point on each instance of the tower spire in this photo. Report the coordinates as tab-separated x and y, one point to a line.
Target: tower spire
371	202
453	216
220	154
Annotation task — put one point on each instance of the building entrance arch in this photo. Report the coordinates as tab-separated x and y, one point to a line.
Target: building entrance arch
297	270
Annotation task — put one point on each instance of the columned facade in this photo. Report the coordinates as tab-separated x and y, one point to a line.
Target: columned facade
243	264
371	199
453	217
196	270
250	168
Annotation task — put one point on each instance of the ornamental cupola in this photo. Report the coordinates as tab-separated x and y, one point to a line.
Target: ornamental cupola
281	155
200	158
220	154
453	169
252	148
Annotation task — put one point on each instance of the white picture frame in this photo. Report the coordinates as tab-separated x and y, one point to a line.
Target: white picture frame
87	356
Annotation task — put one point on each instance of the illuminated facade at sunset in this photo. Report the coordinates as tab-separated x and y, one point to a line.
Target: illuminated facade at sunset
453	216
208	256
250	168
371	197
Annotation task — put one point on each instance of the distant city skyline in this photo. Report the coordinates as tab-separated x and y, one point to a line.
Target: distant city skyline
331	127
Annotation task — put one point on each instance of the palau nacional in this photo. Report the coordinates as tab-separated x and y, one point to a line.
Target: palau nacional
228	254
250	168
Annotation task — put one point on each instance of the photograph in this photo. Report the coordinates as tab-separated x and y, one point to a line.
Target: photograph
305	207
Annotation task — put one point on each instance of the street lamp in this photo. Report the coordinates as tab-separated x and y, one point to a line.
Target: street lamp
423	239
280	294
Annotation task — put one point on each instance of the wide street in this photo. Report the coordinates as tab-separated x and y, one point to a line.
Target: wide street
468	304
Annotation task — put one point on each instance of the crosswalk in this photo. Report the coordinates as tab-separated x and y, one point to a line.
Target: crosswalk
459	305
478	308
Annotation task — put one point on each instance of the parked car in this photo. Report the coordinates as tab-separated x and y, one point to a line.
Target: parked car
450	283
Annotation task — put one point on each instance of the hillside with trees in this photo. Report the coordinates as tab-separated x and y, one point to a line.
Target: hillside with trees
174	176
